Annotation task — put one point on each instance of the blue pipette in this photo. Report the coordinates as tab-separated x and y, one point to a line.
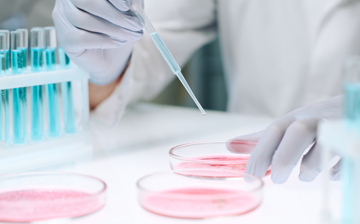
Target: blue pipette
174	66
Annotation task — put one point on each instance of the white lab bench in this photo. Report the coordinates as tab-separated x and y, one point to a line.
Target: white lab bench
139	145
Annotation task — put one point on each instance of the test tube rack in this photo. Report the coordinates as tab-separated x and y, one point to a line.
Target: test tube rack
337	137
50	151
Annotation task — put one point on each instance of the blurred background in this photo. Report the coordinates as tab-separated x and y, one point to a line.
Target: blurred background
204	70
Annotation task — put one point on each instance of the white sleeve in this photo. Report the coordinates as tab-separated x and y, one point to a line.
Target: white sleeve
185	26
337	38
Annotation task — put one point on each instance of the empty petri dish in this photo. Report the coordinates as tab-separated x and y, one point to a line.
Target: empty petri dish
39	196
172	194
212	156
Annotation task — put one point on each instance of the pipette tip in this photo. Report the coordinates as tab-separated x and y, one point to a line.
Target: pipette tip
188	89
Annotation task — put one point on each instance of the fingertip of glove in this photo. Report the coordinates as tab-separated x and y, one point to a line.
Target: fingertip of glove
308	171
240	146
229	145
278	179
306	178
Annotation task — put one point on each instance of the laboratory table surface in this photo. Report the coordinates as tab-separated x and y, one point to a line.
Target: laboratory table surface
139	145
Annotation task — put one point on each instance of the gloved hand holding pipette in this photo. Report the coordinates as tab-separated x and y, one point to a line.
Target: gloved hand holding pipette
97	35
283	143
76	17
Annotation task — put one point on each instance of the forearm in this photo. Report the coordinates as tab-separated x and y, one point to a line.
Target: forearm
98	94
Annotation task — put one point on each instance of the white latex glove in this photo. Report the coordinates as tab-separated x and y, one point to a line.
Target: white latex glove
98	35
283	143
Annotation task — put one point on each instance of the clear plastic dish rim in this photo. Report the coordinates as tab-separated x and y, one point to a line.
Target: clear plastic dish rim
29	174
186	159
258	179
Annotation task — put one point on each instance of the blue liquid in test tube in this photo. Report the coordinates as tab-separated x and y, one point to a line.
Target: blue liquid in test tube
352	104
17	61
7	58
37	101
52	90
25	47
352	93
67	97
19	94
25	57
2	63
6	50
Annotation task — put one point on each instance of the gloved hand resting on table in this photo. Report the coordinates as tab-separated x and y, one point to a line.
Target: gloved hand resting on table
98	35
283	143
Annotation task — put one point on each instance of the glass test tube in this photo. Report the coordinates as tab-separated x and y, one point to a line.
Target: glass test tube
37	102
351	164
52	90
4	93
7	49
67	97
352	92
25	46
2	54
19	94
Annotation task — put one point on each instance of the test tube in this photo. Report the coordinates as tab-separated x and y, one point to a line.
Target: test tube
36	60
4	93
352	92
2	54
351	164
7	49
19	94
52	90
25	46
66	93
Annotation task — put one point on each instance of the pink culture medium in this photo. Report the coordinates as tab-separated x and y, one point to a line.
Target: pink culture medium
198	203
41	204
218	163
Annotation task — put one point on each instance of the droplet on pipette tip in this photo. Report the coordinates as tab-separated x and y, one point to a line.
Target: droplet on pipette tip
203	113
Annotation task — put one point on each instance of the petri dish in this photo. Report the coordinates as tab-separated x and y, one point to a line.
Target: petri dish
212	156
172	194
39	196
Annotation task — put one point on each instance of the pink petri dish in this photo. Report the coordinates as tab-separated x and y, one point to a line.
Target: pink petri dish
192	197
39	196
212	156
